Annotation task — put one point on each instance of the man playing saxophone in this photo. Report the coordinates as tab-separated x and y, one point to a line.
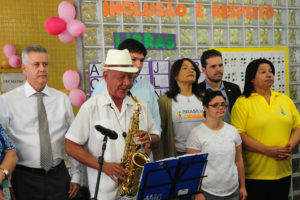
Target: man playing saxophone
112	109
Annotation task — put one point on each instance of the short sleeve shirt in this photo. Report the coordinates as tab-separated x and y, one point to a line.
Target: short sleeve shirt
270	124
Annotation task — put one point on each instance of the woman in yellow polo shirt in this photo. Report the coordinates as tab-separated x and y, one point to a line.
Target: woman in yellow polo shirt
269	124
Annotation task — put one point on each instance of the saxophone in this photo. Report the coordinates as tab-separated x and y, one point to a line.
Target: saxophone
133	159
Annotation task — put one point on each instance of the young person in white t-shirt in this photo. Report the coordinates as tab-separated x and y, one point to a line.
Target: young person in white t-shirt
225	168
180	109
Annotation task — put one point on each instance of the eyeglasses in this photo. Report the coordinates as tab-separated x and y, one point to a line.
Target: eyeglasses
222	105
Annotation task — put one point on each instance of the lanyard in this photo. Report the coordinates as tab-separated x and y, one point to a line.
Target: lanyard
124	134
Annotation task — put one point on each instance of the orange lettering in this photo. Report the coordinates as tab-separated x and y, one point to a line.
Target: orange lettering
127	8
232	12
159	9
215	9
148	12
193	116
137	11
169	10
115	8
105	8
224	11
255	12
261	11
270	11
248	12
180	10
240	11
199	10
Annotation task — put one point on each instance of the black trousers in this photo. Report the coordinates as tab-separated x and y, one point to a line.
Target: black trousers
36	184
268	189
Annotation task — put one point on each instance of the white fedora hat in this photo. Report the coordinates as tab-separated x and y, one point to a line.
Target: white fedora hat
119	60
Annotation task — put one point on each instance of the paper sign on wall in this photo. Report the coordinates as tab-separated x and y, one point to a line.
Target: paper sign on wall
156	72
10	81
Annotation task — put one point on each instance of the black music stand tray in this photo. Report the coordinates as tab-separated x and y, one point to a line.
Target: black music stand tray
171	178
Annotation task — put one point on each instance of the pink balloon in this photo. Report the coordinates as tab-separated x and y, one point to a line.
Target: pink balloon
65	37
76	27
71	79
66	11
77	97
55	25
14	61
9	50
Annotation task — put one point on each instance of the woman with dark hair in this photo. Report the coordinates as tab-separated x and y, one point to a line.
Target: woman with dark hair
269	125
225	169
180	109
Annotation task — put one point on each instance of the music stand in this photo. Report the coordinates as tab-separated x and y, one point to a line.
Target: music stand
171	178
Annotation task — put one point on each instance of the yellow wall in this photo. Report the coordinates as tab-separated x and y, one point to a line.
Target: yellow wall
22	24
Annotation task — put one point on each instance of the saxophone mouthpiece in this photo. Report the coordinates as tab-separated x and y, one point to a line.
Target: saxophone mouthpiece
128	92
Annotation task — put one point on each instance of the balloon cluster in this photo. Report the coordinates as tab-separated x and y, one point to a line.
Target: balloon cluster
10	53
71	80
65	26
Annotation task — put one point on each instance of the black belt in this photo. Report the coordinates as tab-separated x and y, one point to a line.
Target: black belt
52	170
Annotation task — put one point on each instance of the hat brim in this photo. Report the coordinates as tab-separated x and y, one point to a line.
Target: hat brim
130	69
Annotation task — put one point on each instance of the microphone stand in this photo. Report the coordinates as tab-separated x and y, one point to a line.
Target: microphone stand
101	161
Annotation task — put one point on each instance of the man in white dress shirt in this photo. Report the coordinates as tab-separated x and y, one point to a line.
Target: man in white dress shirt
112	109
30	180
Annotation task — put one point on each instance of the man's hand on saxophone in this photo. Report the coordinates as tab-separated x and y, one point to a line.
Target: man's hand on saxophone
148	141
143	138
114	171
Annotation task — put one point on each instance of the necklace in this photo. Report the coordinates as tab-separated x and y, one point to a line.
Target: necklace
183	98
124	134
187	98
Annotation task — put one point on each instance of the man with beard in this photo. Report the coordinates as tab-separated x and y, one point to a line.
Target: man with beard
212	67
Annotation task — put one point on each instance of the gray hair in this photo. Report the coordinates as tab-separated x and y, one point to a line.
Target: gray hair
32	48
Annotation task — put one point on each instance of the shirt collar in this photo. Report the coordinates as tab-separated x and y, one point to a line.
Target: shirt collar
273	93
208	87
29	90
108	101
134	83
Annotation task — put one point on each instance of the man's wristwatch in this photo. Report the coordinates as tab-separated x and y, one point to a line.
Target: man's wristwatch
5	171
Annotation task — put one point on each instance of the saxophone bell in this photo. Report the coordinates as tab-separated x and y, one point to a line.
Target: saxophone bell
139	159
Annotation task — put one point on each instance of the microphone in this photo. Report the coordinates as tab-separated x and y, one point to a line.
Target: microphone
107	132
